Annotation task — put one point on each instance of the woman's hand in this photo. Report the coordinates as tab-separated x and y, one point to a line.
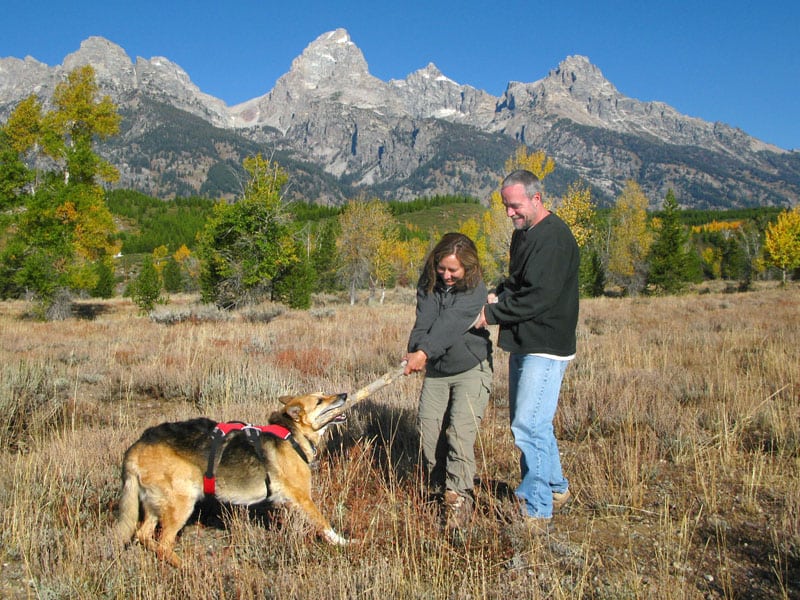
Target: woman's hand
415	361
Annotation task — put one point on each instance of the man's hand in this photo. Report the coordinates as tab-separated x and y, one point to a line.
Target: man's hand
480	322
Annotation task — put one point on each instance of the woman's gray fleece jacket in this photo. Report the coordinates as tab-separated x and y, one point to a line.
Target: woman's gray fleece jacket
443	329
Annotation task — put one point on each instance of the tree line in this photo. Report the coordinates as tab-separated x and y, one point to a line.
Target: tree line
62	234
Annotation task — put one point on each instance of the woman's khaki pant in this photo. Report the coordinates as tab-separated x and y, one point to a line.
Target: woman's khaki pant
450	411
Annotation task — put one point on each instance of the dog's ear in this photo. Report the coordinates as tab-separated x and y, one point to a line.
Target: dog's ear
295	412
285	399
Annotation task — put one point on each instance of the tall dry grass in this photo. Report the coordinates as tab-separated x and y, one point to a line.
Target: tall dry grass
679	425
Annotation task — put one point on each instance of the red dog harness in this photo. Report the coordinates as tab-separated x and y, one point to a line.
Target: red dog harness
252	434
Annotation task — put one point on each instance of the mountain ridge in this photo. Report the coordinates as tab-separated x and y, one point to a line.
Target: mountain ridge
328	114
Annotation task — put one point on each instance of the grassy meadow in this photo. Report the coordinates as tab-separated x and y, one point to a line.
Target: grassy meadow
679	423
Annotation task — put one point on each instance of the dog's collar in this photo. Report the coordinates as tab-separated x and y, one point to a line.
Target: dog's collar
251	433
302	452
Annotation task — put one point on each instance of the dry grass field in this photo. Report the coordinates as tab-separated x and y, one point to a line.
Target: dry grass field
679	424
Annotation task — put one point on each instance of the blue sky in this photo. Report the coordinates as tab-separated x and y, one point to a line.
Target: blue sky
732	61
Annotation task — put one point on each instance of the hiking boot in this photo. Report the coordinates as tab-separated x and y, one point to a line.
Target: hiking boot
457	510
561	499
537	526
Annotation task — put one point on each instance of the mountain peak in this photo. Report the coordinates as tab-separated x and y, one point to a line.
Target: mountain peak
112	65
428	74
580	77
96	50
330	56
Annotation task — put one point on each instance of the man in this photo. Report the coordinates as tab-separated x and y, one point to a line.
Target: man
536	307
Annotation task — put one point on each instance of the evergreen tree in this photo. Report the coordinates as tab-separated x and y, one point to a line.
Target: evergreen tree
293	285
173	278
146	288
591	275
246	245
669	258
323	257
105	281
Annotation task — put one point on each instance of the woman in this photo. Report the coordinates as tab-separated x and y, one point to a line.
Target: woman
458	371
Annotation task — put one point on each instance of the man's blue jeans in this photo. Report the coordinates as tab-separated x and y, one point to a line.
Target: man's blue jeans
534	383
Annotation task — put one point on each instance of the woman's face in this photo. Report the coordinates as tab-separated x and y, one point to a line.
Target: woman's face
450	270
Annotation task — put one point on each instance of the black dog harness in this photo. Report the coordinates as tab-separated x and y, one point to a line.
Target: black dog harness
252	434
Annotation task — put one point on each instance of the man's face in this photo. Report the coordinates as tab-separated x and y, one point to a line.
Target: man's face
523	211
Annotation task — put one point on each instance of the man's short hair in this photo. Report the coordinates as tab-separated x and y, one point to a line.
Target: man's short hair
529	181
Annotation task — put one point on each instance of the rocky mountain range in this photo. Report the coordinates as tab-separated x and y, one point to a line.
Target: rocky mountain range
343	133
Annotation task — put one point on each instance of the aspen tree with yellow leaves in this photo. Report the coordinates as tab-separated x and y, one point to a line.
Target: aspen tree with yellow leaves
497	230
19	139
782	242
576	209
629	240
472	229
409	257
536	162
365	245
80	117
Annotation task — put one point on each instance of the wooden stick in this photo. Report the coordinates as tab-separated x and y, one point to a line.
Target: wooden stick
376	385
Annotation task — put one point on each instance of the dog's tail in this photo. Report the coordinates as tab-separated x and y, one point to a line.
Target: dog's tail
128	516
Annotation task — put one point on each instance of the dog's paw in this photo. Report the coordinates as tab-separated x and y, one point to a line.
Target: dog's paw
334	538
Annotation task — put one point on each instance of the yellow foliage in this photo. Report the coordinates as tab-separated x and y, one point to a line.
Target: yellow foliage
782	241
715	226
367	240
536	162
67	213
160	254
630	238
577	211
712	257
409	258
94	227
182	254
470	228
266	181
24	124
497	230
80	116
384	261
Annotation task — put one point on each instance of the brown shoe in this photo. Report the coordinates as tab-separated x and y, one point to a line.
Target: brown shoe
561	499
457	510
538	526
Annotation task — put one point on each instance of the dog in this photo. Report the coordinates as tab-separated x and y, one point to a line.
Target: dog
167	471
